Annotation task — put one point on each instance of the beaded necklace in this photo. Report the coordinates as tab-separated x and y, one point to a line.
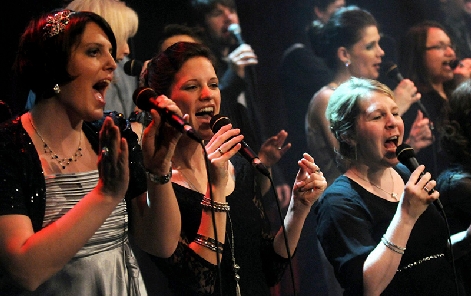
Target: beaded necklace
63	162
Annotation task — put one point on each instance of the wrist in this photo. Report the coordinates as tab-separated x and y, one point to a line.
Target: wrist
159	179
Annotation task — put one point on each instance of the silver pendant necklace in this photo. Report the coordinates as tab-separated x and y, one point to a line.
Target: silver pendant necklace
392	194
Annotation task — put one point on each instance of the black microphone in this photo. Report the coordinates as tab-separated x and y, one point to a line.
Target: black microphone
234	29
454	64
145	99
133	67
218	121
406	155
392	72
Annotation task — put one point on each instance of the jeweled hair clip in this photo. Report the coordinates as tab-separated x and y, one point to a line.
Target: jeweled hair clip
56	23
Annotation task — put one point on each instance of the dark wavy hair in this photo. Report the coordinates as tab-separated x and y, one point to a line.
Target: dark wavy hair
455	136
343	29
412	50
162	68
202	7
41	61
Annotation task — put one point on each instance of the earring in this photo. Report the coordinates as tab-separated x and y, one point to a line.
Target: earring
347	64
56	89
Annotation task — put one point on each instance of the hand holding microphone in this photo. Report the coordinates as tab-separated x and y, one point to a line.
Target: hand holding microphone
406	155
405	92
243	55
217	122
145	99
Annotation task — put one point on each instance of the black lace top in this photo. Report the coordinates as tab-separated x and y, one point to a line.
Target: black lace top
260	266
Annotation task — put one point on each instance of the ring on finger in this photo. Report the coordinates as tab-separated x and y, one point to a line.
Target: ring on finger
220	151
427	190
279	148
105	151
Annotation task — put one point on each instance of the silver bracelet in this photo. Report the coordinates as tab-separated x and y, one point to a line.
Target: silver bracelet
392	246
209	243
159	179
216	206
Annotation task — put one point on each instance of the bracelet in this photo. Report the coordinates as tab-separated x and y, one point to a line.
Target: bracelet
392	246
209	243
216	206
159	179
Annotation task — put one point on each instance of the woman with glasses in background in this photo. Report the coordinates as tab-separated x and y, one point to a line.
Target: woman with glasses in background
426	57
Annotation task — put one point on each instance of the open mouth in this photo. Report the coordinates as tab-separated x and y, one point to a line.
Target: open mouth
205	112
392	142
102	85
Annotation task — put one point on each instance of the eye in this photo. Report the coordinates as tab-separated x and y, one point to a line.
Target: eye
93	52
190	87
214	85
370	46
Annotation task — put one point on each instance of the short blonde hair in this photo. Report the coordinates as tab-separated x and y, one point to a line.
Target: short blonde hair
122	19
343	109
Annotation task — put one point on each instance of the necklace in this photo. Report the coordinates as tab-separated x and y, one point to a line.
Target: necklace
235	266
392	194
63	162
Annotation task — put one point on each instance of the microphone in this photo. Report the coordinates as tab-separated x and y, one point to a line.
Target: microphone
218	121
454	64
133	67
234	29
406	155
145	99
392	72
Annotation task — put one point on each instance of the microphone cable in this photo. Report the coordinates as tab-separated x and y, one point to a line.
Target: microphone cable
213	216
288	251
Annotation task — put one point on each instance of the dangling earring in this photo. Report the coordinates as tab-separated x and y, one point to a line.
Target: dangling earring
347	64
56	89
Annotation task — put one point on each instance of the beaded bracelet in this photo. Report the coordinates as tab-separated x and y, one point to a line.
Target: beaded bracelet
209	243
159	179
216	206
392	246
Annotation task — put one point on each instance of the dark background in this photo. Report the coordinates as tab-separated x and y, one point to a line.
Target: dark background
269	26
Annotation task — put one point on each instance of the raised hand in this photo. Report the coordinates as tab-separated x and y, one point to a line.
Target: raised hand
220	149
272	149
113	164
160	139
242	57
417	193
310	182
420	135
406	94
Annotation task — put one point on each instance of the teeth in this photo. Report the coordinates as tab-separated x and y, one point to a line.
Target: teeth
393	138
206	109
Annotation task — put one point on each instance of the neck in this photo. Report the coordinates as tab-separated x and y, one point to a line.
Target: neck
341	76
188	154
371	174
438	87
59	130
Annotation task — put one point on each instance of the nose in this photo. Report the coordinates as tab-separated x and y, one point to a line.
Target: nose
110	63
206	93
380	51
123	51
392	121
231	15
450	51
